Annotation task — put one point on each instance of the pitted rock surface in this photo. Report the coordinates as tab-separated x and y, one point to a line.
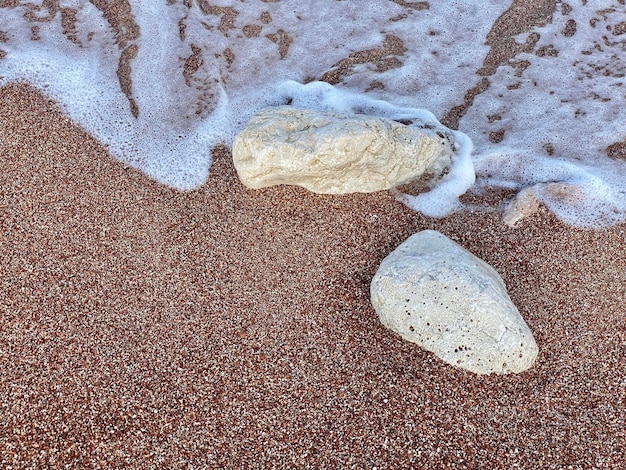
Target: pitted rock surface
433	292
332	153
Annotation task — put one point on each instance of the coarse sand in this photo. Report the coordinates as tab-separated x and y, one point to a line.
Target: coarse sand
143	327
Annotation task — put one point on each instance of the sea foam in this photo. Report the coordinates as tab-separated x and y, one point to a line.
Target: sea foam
198	71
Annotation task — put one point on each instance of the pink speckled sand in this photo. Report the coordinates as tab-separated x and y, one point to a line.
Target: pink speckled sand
141	327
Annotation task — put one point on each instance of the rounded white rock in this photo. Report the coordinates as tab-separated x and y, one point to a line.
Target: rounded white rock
433	292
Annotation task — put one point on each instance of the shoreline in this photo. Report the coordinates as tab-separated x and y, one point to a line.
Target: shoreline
227	327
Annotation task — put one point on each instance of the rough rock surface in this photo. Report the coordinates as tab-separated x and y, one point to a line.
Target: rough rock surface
435	293
332	153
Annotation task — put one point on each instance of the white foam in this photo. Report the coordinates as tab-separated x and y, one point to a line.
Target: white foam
443	199
571	106
588	196
244	64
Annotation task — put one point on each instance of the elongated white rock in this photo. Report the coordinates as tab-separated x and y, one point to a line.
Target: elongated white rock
335	153
435	293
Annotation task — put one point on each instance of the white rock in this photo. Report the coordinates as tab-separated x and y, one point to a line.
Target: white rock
522	205
335	153
435	293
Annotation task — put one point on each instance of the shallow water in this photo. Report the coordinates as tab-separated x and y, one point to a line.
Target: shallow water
160	84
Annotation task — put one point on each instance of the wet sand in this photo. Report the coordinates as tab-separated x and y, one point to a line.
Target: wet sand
142	327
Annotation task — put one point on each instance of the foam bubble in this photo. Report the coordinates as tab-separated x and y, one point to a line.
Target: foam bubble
588	196
197	73
556	119
443	199
247	55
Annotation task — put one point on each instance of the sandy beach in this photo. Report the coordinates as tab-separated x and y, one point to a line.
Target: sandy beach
148	328
144	327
